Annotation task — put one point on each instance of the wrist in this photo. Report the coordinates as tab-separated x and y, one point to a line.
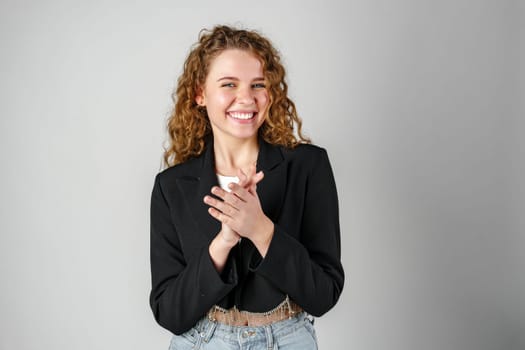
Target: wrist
264	236
219	250
226	241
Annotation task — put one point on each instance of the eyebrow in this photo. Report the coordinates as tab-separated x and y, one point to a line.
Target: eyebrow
235	78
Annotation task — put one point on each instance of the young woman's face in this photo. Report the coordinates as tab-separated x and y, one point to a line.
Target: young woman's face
235	95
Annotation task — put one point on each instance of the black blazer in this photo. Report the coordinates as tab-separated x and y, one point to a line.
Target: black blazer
297	193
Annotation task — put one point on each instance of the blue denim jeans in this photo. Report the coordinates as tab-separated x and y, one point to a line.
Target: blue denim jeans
296	333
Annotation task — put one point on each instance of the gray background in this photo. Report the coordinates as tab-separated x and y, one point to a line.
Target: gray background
419	104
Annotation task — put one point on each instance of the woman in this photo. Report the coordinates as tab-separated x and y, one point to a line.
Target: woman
245	241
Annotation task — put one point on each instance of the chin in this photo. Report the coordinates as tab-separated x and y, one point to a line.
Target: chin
245	136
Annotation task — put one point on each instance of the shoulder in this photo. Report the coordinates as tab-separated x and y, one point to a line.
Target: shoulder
182	170
306	153
306	159
305	149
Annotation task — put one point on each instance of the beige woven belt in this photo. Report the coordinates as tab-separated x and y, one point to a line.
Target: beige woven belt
235	317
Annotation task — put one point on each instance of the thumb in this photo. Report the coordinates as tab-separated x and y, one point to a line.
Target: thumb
254	181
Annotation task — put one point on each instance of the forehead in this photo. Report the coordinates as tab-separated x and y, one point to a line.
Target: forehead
236	63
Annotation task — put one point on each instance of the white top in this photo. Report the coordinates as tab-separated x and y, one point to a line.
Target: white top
225	180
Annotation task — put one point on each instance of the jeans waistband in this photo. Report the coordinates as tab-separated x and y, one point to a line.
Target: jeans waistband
208	328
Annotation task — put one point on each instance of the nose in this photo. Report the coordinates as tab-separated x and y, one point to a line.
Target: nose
245	95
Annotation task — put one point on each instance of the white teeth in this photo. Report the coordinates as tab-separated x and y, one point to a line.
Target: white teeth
238	115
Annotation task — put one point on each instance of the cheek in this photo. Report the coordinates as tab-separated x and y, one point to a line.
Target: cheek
223	99
263	99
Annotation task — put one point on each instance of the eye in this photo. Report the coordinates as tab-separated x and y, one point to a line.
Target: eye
259	86
228	85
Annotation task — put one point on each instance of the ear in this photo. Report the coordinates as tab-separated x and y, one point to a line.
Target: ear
199	97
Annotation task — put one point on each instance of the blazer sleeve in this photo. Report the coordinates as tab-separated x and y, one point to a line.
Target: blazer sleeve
182	290
309	268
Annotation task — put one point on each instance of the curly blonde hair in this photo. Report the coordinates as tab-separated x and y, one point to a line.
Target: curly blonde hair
188	124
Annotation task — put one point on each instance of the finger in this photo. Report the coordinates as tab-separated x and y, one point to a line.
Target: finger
225	219
219	192
249	179
244	180
239	191
227	197
255	180
258	177
220	205
233	200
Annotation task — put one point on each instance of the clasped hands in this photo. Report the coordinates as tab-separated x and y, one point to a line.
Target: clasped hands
240	211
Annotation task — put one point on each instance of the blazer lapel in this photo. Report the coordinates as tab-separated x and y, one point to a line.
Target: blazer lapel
271	189
196	187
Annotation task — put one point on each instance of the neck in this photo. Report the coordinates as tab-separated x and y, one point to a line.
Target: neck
231	155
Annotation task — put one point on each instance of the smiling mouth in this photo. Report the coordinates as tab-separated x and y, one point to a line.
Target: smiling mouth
242	115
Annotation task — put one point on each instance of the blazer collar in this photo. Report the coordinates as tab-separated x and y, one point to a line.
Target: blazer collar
202	177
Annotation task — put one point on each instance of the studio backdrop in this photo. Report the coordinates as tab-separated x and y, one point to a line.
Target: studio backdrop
418	103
